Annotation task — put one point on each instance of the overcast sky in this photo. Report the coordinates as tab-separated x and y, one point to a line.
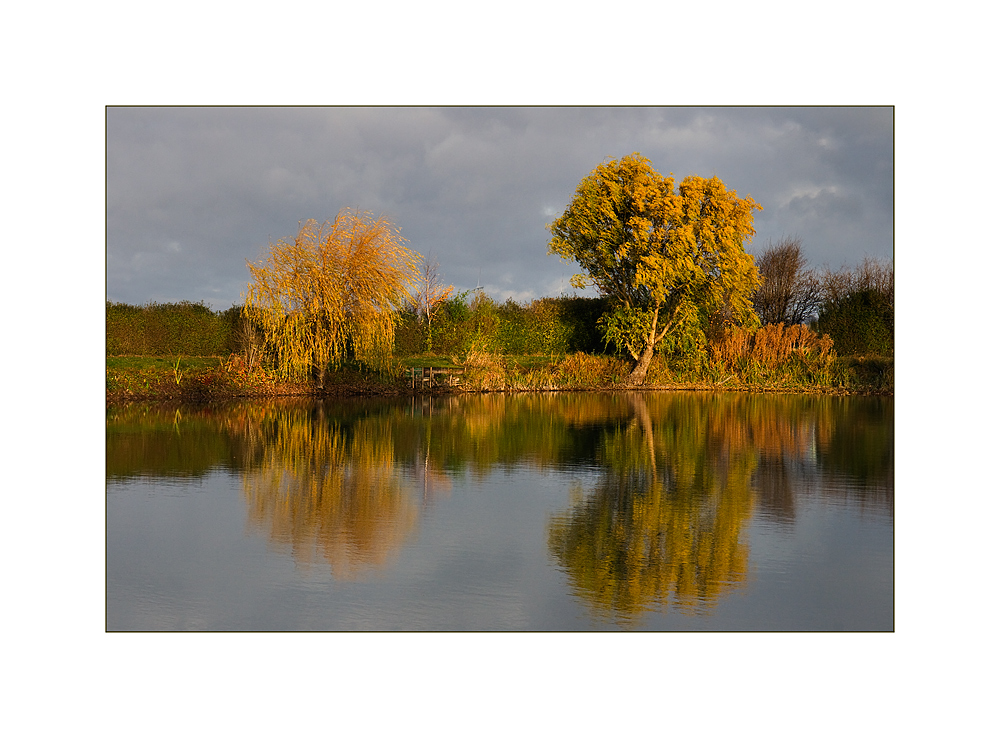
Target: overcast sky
193	193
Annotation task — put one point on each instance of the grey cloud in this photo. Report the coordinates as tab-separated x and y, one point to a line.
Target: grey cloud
825	203
193	193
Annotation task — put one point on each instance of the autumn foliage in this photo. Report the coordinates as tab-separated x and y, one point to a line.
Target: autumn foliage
774	353
331	292
668	257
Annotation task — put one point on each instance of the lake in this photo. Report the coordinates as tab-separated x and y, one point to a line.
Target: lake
665	511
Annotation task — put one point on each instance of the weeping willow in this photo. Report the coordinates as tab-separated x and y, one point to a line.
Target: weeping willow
330	293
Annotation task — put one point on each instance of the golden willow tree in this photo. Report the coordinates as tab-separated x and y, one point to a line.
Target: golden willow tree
669	258
330	293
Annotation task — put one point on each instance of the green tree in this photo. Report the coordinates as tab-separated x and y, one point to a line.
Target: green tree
860	323
668	258
332	292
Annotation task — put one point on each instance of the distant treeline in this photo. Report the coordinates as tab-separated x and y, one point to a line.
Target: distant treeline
546	326
550	325
855	310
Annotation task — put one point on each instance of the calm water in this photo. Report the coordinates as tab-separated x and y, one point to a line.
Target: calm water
594	511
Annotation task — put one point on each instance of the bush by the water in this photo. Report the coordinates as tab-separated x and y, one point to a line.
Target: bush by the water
861	323
858	309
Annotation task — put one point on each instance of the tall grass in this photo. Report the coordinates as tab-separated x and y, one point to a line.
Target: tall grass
774	354
590	371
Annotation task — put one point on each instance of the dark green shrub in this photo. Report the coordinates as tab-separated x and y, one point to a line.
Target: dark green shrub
860	324
580	316
858	309
410	338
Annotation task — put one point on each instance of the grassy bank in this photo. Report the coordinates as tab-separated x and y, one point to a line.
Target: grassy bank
187	378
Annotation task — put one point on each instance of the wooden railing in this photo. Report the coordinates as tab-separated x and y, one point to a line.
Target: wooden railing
430	376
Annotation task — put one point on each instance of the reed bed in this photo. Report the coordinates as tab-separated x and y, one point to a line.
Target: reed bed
777	354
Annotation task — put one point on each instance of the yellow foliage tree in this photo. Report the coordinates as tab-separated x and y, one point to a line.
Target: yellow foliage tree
331	292
668	257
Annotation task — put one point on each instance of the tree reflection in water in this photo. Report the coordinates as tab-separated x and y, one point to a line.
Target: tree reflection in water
663	524
322	490
679	475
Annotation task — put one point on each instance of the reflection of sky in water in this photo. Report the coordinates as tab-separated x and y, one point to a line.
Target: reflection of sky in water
480	562
835	564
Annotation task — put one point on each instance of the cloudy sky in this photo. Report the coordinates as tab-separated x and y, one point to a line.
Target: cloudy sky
193	193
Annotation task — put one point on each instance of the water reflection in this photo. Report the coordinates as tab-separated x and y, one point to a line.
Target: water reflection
673	480
320	489
664	522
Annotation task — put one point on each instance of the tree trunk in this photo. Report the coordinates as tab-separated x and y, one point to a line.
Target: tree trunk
638	375
641	366
319	376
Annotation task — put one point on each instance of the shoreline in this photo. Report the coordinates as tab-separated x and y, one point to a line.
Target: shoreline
211	379
346	391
